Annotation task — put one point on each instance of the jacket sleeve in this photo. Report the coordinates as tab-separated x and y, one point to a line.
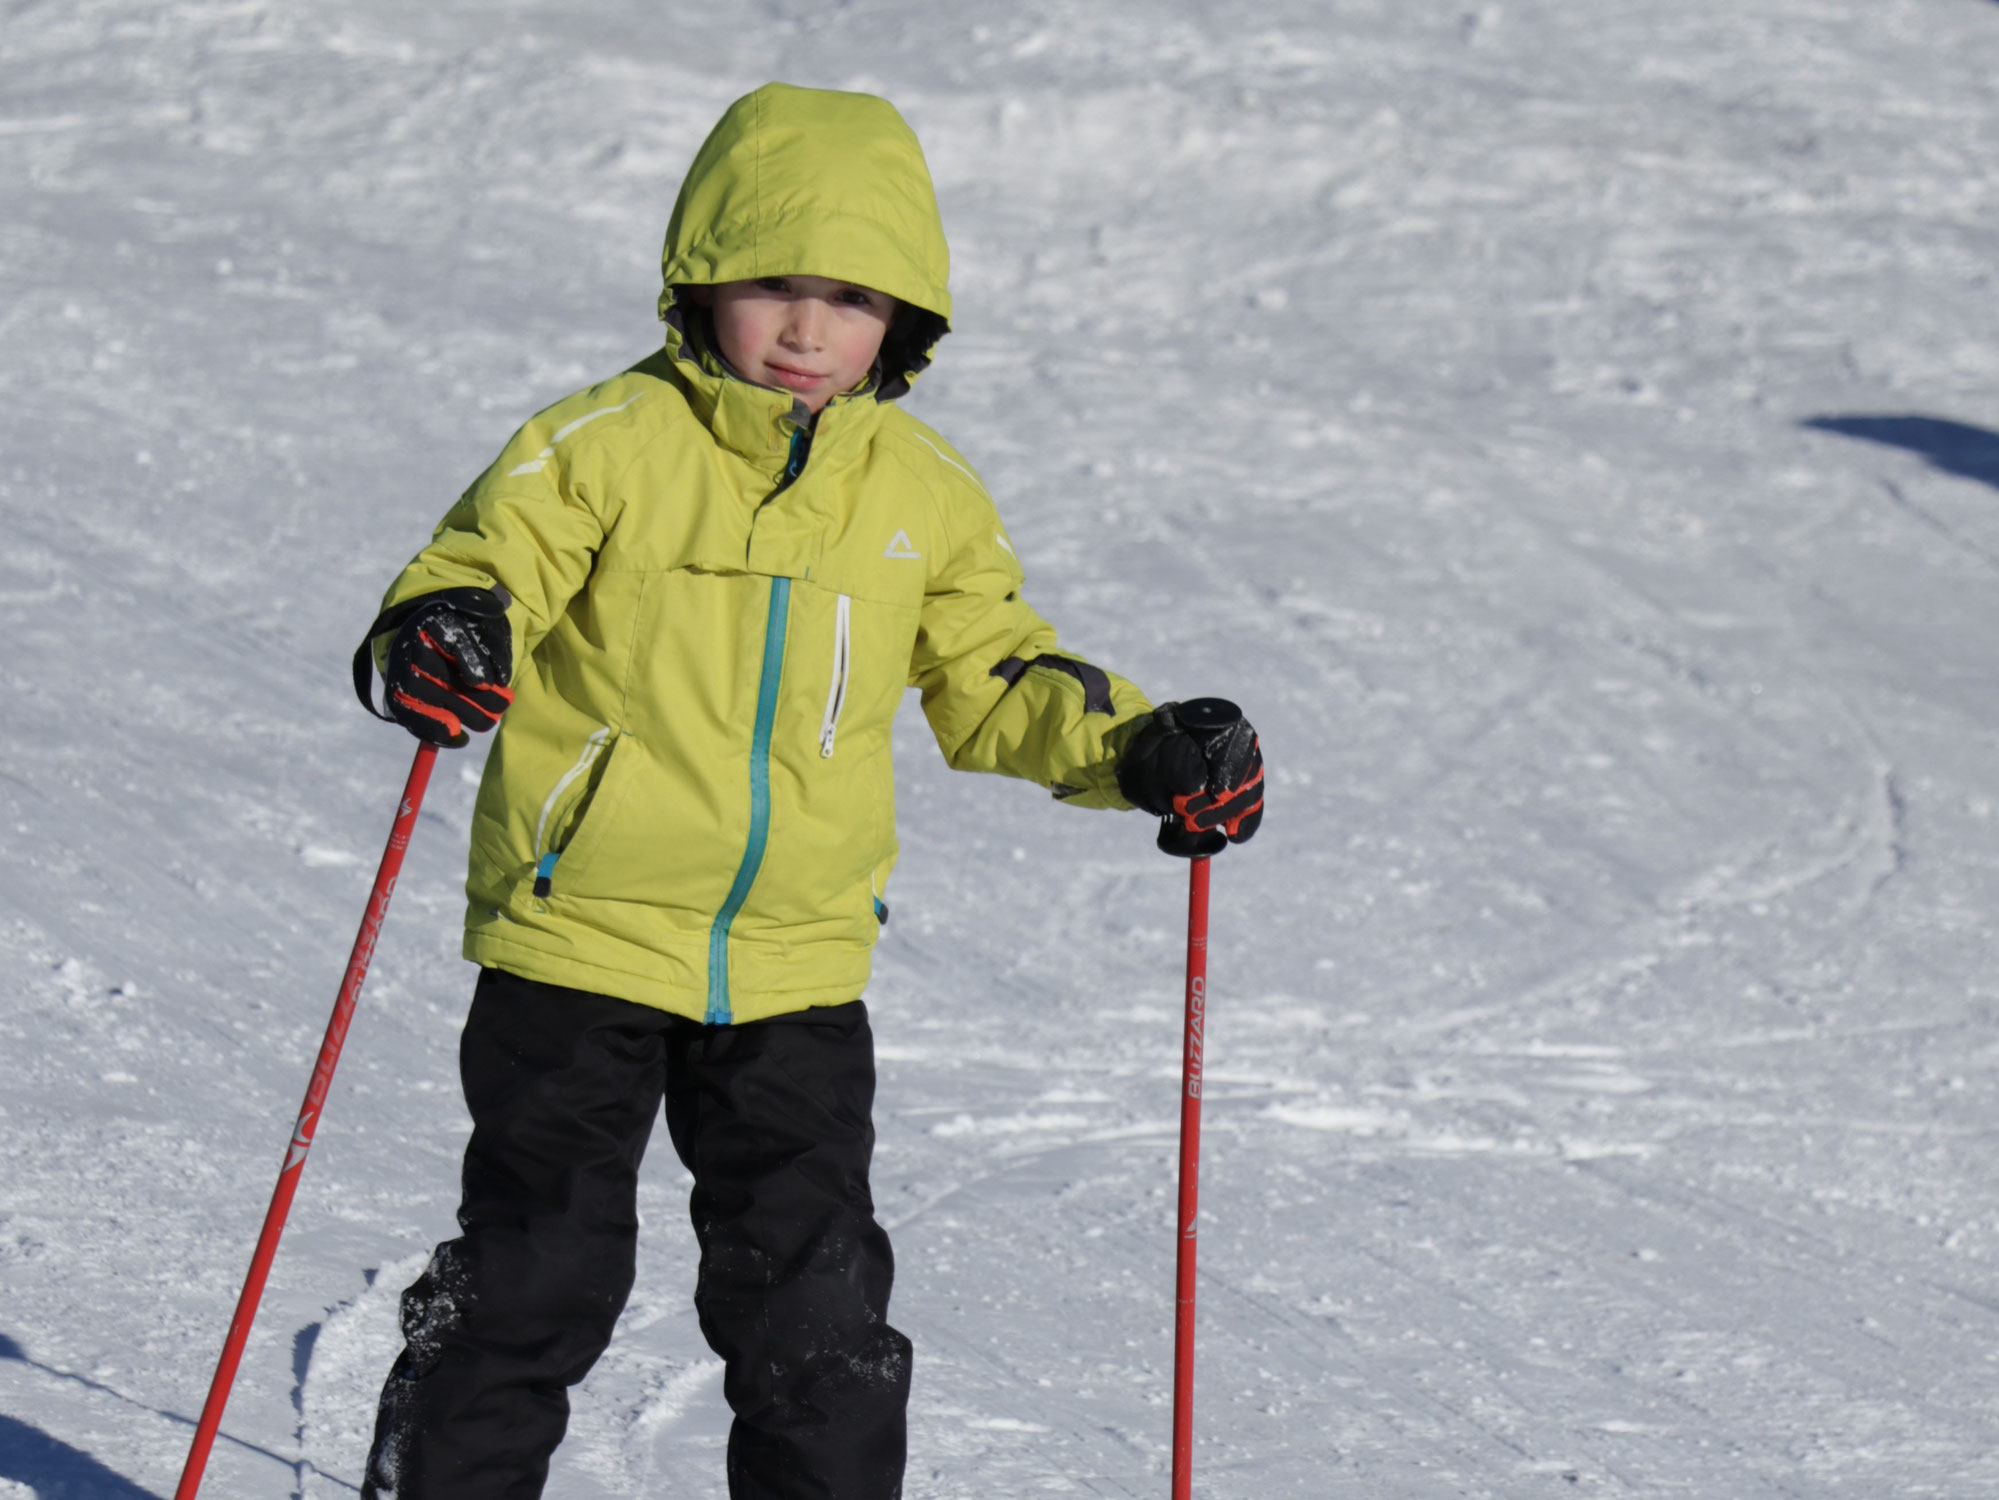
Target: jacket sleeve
532	523
999	693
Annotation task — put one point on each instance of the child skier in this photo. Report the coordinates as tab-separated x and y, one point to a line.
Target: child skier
697	592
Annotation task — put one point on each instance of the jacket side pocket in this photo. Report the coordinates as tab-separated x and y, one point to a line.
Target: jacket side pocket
566	811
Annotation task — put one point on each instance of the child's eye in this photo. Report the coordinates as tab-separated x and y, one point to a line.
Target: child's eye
774	284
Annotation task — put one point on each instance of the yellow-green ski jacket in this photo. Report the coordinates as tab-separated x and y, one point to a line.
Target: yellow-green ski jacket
717	604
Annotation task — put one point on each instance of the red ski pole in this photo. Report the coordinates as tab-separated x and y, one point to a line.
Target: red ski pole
1203	718
1190	1176
308	1122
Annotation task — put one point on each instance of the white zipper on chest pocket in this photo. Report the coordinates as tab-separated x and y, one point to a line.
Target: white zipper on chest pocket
836	694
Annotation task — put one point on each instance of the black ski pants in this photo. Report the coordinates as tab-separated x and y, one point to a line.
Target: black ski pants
773	1118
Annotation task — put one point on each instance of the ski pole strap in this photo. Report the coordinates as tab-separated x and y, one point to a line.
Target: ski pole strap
392	617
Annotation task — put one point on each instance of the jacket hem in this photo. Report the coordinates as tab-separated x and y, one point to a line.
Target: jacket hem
530	962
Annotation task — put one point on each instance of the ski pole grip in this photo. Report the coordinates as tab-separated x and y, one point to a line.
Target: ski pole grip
1203	718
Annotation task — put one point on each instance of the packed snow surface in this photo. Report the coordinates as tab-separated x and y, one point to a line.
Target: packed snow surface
1567	428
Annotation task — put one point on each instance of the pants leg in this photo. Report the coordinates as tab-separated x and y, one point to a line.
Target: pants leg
774	1119
563	1087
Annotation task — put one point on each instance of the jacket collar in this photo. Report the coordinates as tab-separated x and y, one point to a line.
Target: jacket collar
756	422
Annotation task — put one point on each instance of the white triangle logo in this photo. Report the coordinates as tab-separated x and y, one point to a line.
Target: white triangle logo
900	546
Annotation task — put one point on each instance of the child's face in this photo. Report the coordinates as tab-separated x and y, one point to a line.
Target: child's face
804	334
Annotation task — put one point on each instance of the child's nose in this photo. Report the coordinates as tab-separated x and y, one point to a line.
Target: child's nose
806	326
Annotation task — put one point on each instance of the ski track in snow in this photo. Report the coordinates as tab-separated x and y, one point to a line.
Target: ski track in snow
1543	424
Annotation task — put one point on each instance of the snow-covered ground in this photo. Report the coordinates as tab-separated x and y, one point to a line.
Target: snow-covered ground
1566	427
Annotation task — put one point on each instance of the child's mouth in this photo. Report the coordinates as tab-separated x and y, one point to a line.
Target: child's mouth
797	379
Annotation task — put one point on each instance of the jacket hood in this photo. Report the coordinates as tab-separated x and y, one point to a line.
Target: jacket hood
815	182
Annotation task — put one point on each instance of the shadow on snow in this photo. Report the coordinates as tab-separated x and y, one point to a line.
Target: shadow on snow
1954	447
53	1469
56	1471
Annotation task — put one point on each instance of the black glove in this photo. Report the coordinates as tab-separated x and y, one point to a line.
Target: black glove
1208	782
448	665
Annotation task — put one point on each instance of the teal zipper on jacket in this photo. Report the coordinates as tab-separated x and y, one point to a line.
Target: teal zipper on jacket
720	1012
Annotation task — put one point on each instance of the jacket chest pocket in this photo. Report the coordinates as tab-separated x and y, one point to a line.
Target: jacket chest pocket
855	654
